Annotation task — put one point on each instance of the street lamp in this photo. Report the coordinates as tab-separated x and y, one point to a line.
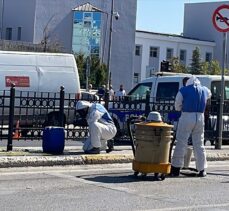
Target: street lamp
116	15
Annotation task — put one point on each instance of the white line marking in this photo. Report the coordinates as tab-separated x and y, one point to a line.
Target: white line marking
191	207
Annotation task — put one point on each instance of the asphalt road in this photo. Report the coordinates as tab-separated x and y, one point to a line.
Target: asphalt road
110	187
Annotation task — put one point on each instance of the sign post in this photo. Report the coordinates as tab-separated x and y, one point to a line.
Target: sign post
220	21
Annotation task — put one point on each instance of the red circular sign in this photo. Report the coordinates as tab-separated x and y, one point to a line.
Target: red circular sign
220	18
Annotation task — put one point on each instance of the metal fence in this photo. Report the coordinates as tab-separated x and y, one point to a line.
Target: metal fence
23	115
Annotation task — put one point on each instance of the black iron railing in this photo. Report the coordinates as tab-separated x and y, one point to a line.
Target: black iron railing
23	115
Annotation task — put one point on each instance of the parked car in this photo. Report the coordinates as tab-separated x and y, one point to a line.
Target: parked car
88	96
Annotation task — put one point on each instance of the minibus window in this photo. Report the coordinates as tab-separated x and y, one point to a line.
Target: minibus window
216	90
139	91
167	90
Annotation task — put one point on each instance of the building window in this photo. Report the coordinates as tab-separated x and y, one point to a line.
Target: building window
153	52
86	36
169	54
183	54
137	50
19	33
208	57
136	78
8	33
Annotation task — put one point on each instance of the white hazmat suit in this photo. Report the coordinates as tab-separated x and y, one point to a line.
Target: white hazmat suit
191	100
100	123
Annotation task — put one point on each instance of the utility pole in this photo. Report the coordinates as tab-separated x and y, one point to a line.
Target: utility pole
110	45
3	2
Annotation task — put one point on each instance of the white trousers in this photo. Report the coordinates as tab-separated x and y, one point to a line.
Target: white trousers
190	124
99	135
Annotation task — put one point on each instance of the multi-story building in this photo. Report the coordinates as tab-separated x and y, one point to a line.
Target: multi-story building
152	48
77	26
198	24
86	26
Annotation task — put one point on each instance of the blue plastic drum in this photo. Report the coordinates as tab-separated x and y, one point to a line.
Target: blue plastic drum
53	140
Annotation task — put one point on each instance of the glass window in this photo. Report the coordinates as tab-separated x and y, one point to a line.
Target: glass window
140	90
87	24
153	52
97	16
216	90
8	33
19	33
167	90
208	57
137	50
136	77
169	53
183	56
87	15
86	36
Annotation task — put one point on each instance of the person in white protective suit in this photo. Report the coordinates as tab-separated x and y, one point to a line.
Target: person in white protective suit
191	100
100	123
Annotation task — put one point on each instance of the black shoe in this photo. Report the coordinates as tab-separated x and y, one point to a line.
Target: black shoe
110	145
202	173
109	150
94	150
175	171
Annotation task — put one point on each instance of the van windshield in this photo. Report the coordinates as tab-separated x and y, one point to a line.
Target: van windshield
216	90
140	90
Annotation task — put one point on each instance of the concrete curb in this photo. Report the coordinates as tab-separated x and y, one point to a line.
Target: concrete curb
106	159
34	157
34	161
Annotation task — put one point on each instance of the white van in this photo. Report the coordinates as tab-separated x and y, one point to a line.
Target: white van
39	72
40	75
165	87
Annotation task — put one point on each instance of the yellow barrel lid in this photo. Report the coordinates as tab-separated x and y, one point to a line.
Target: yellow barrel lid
154	124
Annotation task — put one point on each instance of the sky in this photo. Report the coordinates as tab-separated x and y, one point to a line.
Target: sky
163	16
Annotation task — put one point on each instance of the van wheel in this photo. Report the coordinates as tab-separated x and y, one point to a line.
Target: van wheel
52	119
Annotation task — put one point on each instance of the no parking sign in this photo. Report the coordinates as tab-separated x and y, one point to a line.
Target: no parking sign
220	18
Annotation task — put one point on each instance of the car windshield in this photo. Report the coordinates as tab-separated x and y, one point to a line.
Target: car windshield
140	90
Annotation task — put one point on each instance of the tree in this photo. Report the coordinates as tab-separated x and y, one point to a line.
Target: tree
80	61
177	67
210	68
98	71
98	75
195	67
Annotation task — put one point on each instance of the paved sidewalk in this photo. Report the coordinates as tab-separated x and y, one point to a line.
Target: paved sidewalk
73	155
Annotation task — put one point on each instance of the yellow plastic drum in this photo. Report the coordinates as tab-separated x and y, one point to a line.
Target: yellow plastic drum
153	141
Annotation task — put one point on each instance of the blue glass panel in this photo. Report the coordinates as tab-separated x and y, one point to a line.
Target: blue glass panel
97	16
78	15
86	33
97	24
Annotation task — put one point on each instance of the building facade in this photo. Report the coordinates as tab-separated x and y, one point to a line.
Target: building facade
198	24
152	48
77	26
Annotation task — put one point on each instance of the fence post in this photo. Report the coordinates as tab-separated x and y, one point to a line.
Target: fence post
61	109
147	108
11	118
218	143
106	99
